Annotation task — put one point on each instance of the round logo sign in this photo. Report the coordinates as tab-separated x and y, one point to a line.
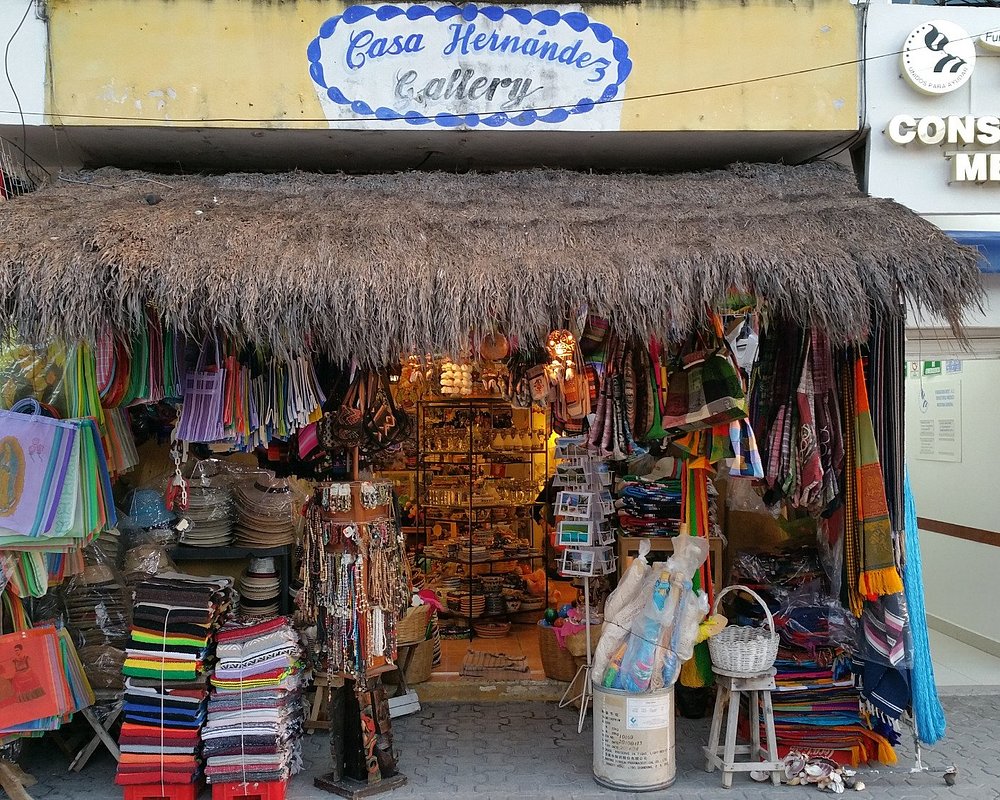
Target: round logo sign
12	469
938	57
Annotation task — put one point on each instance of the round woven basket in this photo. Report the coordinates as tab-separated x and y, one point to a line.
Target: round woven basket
557	662
744	650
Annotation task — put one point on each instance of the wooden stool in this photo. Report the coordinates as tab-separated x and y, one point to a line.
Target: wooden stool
317	713
102	732
729	689
404	700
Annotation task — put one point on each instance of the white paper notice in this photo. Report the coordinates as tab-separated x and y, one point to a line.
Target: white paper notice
648	714
940	434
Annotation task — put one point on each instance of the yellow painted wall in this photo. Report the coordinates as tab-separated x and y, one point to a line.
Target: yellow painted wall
153	61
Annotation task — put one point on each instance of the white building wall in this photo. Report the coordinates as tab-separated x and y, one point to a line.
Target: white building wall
25	62
960	576
919	175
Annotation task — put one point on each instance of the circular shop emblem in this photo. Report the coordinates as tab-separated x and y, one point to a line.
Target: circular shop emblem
938	57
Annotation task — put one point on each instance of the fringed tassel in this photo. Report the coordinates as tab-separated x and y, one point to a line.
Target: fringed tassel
875	583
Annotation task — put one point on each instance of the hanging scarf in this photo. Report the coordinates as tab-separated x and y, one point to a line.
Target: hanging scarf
927	711
878	575
852	536
807	491
697	671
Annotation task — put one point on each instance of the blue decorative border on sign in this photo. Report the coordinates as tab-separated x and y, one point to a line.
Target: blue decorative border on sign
576	20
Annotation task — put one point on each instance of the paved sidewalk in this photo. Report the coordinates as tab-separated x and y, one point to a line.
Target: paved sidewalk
532	751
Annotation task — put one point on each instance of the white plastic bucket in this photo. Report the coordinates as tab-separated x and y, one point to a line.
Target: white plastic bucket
634	744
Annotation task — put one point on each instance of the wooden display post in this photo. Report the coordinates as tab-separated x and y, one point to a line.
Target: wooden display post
362	759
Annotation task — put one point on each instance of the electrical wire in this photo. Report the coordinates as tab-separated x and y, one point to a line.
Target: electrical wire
13	91
401	118
33	160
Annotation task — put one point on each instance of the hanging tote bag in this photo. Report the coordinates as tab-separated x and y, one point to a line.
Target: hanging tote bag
706	387
202	413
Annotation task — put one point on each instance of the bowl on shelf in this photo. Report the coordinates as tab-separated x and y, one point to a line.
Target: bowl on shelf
491	630
530	603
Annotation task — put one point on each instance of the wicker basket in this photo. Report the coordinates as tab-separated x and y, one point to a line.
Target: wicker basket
557	662
744	650
419	670
413	626
421	663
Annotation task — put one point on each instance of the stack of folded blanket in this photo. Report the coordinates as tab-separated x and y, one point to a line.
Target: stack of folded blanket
166	670
255	714
649	508
817	706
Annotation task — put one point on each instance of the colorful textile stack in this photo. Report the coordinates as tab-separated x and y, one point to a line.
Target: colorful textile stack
166	668
255	714
817	707
649	508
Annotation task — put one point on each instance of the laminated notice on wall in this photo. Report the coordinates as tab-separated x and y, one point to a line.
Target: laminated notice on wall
940	422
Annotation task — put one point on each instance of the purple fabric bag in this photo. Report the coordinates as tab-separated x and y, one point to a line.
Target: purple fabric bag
201	414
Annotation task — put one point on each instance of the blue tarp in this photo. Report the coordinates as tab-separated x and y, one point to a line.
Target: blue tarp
987	242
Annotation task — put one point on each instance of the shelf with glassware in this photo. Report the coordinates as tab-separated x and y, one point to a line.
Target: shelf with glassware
480	467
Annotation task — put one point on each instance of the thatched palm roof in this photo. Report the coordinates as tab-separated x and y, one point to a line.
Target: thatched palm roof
376	265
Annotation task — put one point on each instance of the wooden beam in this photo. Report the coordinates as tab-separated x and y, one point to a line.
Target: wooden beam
978	535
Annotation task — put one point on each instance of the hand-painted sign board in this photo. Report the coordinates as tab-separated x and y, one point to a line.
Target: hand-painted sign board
466	67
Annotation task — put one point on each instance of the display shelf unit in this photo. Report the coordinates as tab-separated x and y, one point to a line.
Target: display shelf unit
475	562
281	555
443	468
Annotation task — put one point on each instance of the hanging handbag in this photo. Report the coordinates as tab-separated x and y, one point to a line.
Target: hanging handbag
344	427
705	388
384	424
201	413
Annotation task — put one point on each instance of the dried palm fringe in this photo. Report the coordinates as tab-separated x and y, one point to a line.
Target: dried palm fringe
377	266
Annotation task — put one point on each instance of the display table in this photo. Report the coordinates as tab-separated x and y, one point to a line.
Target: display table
662	548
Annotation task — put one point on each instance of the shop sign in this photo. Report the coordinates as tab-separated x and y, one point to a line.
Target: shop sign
447	66
967	166
990	40
938	57
932	368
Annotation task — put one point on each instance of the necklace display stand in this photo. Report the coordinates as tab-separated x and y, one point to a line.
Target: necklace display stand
362	758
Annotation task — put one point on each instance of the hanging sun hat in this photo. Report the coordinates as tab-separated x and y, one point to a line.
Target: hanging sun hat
147	508
263	506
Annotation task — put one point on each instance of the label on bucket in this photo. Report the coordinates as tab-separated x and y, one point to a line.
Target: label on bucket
647	714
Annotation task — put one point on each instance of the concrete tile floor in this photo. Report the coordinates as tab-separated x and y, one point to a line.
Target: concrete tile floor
959	664
531	751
